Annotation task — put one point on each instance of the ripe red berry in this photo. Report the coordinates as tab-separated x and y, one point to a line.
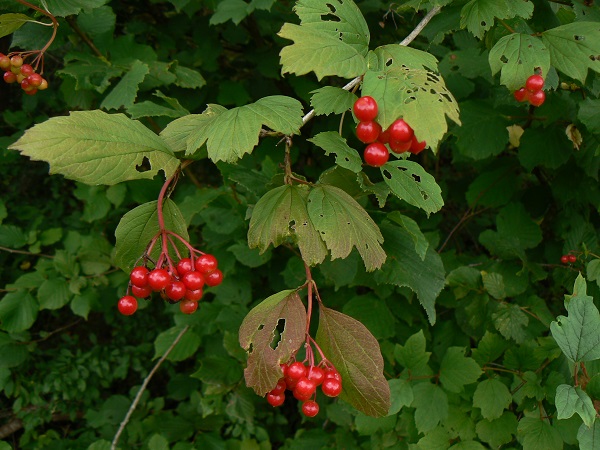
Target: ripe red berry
184	266
275	399
9	77
384	136
331	387
365	109
176	290
16	61
43	85
296	370
193	280
400	147
141	292
332	373
193	296
35	79
27	70
25	85
537	98
368	132
206	263
316	374
4	62
31	91
139	276
188	307
564	259
214	278
290	383
158	279
284	369
400	131
521	95
304	389
376	154
572	258
127	305
417	147
279	387
310	408
534	83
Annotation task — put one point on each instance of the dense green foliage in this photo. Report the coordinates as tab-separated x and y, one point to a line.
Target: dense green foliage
451	259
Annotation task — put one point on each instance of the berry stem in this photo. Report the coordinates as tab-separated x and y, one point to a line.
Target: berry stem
54	29
310	282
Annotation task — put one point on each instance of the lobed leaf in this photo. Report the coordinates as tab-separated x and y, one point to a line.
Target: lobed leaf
589	437
457	370
125	91
97	148
355	353
331	99
492	397
346	156
573	400
478	15
412	228
266	351
9	23
431	406
184	349
538	434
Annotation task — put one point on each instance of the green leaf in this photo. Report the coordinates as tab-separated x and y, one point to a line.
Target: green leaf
589	114
248	256
188	78
518	56
219	370
413	355
356	355
570	400
436	439
9	23
97	148
330	99
593	271
125	92
481	122
158	442
511	321
54	293
332	142
589	437
499	431
332	39
234	10
412	228
538	434
267	348
410	182
478	15
90	72
401	393
63	8
12	236
456	370
492	397
494	284
18	311
185	348
137	228
374	314
426	277
574	48
578	334
281	214
151	109
406	83
548	147
431	406
344	224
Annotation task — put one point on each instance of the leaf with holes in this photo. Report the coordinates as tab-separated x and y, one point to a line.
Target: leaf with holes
281	215
332	39
406	83
574	48
344	224
356	355
97	148
332	142
517	56
268	345
478	15
330	99
411	183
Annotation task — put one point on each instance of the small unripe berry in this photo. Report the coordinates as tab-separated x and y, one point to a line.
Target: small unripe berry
16	61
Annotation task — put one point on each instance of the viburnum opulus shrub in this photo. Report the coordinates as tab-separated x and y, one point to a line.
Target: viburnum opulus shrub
320	224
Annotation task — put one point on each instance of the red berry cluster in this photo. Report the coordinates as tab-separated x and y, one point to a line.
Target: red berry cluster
568	259
400	137
16	71
532	91
182	283
303	381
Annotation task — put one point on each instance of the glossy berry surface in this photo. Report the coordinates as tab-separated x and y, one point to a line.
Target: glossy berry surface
304	389
158	279
275	399
184	266
332	373
417	147
9	77
27	70
564	259
572	258
141	292
534	83
4	62
193	280
537	98
176	290
16	61
368	132
296	370
521	95
188	307
365	109
214	278
400	131
279	387
127	305
316	374
310	408
331	387
376	154
193	296
206	263
35	79
400	147
139	276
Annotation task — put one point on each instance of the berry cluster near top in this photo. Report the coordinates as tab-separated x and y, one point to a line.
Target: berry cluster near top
17	71
399	137
532	92
568	259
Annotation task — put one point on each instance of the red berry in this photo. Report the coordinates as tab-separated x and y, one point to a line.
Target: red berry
332	373
127	305
35	79
31	91
572	258
564	259
521	95
296	370
16	61
27	70
384	136
331	387
316	374
25	85
158	279
206	263
284	369
184	266
275	399
141	292
214	278
365	109
193	280
400	147
4	62
400	131
417	147
534	83
304	389
290	383
43	85
193	296
176	290
368	132
139	276
188	307
376	154
310	408
279	387
9	77
537	98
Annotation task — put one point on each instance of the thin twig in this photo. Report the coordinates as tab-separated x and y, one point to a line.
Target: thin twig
137	398
23	252
73	24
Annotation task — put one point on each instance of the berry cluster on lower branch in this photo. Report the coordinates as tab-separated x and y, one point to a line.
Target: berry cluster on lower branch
16	71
